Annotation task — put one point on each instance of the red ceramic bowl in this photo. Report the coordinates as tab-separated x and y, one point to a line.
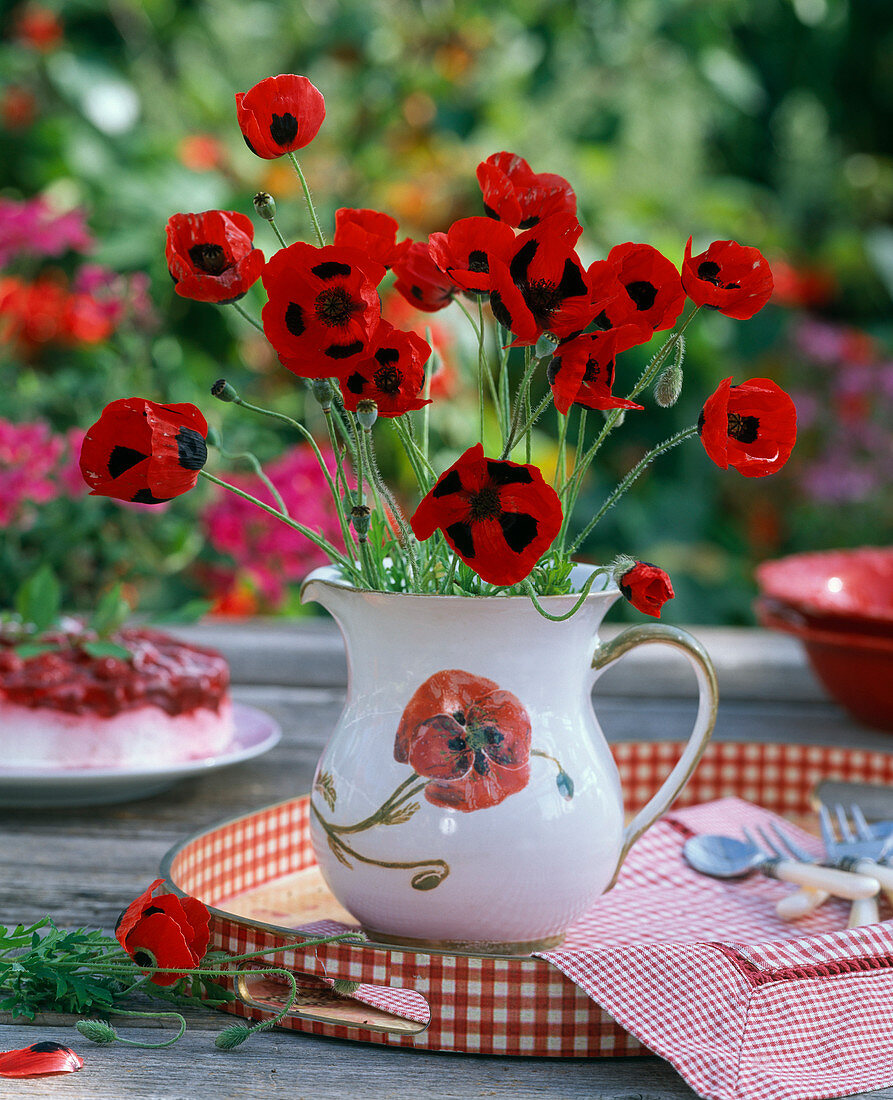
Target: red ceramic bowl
856	669
838	590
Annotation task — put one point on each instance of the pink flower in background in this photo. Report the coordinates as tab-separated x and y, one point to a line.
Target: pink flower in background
260	545
33	228
29	454
114	296
68	473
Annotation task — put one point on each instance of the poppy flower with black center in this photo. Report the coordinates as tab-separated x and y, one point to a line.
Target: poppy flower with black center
500	517
211	256
582	369
323	307
515	194
731	277
652	284
647	587
542	286
751	427
464	253
372	233
393	375
39	1060
420	281
467	735
165	931
144	452
280	114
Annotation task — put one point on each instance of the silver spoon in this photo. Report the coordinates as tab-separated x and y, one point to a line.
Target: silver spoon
726	857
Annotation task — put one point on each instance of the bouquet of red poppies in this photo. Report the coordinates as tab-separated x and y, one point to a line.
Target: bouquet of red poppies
490	522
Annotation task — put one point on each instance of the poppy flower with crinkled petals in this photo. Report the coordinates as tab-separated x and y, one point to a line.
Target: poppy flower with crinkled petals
518	196
500	517
464	253
652	284
323	307
542	286
392	376
731	277
144	452
467	735
647	587
582	370
211	257
165	930
752	426
280	114
39	1060
420	281
372	233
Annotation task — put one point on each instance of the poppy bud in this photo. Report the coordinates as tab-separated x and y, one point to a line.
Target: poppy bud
367	413
345	987
323	391
668	386
545	346
97	1031
232	1036
360	518
265	205
647	587
223	391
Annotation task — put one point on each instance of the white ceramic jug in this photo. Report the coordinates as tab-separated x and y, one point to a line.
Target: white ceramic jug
467	799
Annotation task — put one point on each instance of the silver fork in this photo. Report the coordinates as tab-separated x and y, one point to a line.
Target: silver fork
803	902
858	849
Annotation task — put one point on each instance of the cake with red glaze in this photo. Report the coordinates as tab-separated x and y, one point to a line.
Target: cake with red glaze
168	702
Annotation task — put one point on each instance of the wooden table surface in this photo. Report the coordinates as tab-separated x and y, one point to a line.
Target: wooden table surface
82	866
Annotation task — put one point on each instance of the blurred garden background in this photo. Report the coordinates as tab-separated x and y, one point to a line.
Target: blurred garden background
764	121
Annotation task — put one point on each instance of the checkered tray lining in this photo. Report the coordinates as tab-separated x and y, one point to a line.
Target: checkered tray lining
518	1006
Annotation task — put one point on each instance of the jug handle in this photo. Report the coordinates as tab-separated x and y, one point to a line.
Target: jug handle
708	700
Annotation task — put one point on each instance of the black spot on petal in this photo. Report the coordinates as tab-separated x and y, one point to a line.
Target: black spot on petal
46	1047
122	459
522	260
343	351
500	311
460	534
602	322
572	282
481	764
709	272
504	473
642	293
144	496
519	529
331	269
284	128
490	212
701	421
478	261
191	449
553	368
387	355
355	383
529	223
449	483
294	319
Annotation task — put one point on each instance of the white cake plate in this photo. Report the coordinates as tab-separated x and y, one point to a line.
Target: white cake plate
255	733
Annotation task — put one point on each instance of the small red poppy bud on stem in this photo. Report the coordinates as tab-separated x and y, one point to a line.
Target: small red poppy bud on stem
647	587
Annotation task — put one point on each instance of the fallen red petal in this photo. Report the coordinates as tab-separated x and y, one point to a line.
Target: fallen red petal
39	1060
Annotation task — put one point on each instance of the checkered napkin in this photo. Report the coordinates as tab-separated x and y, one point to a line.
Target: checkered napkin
744	1005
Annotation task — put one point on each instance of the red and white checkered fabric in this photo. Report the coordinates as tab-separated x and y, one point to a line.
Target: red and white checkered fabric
702	972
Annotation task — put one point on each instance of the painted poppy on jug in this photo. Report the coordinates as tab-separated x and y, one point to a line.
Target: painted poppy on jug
730	277
39	1060
420	281
469	737
211	257
370	232
280	114
143	452
500	517
165	930
323	307
392	376
647	587
751	427
520	197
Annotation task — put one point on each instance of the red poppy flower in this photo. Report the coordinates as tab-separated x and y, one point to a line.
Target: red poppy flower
392	376
211	257
646	587
39	1060
469	737
500	517
323	307
370	232
144	452
420	280
465	251
731	277
518	196
652	284
542	286
582	370
752	427
166	930
280	114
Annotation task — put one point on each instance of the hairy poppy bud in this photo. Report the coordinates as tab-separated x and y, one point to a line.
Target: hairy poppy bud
265	205
232	1036
223	391
345	987
97	1031
367	413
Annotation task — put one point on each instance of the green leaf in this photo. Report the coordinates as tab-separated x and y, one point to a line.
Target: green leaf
39	599
111	612
106	649
190	612
32	649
